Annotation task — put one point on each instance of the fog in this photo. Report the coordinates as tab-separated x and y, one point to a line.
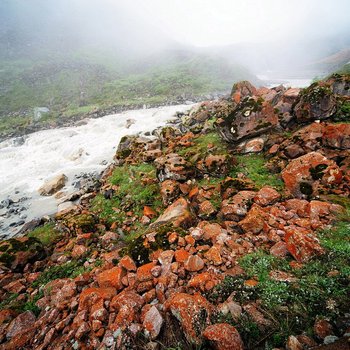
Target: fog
262	34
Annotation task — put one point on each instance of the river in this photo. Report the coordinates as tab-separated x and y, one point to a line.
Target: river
26	163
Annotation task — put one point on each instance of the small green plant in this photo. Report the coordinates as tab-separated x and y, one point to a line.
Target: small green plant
254	167
46	234
70	269
131	195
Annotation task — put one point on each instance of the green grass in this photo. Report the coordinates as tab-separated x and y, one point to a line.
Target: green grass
200	147
293	306
253	166
131	195
76	84
46	234
71	269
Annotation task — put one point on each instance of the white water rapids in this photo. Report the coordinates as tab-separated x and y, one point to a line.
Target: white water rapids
71	151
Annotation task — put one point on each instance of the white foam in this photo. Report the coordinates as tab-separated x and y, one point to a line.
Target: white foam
71	151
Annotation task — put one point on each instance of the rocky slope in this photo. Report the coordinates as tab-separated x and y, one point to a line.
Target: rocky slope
229	230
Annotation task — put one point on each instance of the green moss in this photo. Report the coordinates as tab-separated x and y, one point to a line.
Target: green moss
320	289
132	193
46	234
200	147
70	269
253	166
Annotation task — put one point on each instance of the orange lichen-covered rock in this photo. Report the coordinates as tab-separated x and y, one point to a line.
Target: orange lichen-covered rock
127	298
111	278
223	337
302	243
200	280
152	322
193	312
144	272
302	175
267	196
254	221
89	295
178	214
127	263
194	263
214	255
181	255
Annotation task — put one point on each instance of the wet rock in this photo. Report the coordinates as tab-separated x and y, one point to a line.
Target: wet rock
15	253
178	214
252	117
317	102
194	263
153	322
302	244
21	324
53	185
173	167
193	312
266	196
111	278
302	175
241	90
223	337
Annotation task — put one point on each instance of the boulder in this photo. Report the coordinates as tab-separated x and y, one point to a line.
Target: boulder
252	117
317	102
237	206
241	90
303	175
21	324
223	337
194	263
336	136
173	167
266	196
15	253
255	220
178	214
169	191
152	323
111	278
302	243
255	145
53	185
193	312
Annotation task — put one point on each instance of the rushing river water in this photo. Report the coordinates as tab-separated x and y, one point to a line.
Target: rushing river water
25	165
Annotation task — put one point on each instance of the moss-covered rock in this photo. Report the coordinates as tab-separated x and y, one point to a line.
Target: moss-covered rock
15	253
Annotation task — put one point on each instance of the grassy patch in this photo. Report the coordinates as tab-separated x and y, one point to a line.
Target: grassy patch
46	234
200	147
253	166
132	193
71	269
321	288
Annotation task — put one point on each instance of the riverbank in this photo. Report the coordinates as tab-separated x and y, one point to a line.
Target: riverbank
26	163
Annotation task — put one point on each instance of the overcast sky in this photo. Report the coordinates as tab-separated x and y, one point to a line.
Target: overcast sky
222	22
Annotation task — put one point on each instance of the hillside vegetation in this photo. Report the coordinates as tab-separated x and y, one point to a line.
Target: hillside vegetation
82	83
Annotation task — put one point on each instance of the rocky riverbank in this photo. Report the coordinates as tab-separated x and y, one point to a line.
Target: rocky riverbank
81	118
228	230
